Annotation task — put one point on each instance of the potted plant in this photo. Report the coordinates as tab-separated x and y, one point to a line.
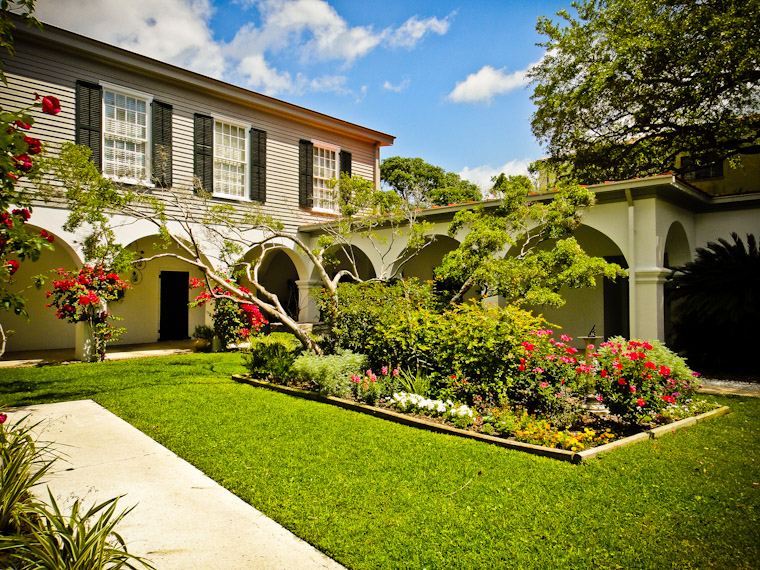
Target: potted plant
203	336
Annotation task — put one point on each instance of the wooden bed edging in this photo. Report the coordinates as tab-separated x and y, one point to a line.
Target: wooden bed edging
561	454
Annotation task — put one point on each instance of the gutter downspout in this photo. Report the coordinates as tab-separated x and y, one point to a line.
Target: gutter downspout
632	304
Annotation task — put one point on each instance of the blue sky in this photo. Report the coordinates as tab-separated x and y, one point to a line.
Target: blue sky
446	78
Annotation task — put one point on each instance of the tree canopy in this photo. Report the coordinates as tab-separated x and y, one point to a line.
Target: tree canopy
418	181
626	86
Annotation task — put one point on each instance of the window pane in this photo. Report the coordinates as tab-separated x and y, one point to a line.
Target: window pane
125	136
229	159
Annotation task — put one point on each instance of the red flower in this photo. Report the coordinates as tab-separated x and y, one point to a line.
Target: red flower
9	175
650	364
34	146
23	125
621	381
604	374
641	403
3	418
23	162
664	371
12	265
47	236
50	105
24	213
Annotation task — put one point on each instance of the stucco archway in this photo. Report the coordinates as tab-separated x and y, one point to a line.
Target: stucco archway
42	331
423	264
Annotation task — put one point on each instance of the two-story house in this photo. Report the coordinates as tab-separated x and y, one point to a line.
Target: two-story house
156	125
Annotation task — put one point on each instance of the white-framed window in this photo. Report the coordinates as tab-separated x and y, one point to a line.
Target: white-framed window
326	170
126	134
230	159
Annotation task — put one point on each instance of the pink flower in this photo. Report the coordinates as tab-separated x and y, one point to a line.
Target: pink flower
384	370
396	371
633	389
566	338
571	350
355	379
544	384
538	370
617	365
599	398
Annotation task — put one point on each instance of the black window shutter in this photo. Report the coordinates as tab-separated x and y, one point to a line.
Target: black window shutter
161	155
258	165
203	165
89	113
345	162
306	174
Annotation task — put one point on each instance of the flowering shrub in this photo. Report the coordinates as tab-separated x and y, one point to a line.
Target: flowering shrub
18	159
235	320
460	415
330	374
370	387
635	381
82	296
550	376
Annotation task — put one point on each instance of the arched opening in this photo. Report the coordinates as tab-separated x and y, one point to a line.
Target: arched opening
423	264
677	254
156	307
603	308
353	259
42	331
279	275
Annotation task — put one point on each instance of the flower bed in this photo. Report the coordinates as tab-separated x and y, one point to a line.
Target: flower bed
536	436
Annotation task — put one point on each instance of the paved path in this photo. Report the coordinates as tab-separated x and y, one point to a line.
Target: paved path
182	519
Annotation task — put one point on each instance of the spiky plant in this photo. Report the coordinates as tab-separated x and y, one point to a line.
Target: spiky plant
716	304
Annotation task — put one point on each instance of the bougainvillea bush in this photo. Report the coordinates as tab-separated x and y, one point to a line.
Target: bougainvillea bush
83	296
235	320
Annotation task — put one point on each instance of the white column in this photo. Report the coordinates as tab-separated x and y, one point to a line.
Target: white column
308	311
650	303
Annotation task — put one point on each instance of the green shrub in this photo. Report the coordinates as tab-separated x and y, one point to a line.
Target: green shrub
369	387
272	356
330	374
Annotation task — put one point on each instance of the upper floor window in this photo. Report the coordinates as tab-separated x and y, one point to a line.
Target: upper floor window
129	133
714	170
325	174
230	160
319	165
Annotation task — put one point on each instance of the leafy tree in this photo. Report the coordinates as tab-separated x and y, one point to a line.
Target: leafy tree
425	184
715	305
628	85
196	225
545	256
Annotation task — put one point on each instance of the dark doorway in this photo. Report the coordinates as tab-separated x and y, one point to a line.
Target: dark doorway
173	319
616	313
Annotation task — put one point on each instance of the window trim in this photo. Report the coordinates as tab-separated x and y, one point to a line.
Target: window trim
246	163
105	86
333	148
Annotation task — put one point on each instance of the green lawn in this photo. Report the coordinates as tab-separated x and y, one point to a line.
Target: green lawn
374	494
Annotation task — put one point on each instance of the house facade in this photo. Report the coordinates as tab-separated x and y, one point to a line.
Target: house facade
156	125
165	128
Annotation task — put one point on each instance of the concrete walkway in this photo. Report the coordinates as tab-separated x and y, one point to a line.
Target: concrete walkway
182	519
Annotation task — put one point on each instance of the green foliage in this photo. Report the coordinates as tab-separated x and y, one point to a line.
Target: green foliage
424	184
272	356
415	382
330	374
33	536
22	9
543	256
628	85
22	466
716	307
466	350
93	199
76	541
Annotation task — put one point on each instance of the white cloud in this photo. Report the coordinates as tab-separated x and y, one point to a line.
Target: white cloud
397	88
178	32
487	83
414	29
483	175
174	31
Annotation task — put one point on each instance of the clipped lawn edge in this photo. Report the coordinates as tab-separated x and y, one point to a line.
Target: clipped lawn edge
561	454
